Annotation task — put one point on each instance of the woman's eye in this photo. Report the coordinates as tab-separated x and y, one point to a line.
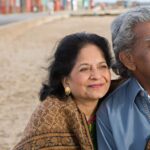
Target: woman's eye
103	67
84	69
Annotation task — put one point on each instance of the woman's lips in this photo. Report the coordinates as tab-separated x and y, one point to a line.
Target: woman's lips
96	85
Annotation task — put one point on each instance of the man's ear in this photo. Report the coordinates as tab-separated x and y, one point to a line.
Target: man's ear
127	59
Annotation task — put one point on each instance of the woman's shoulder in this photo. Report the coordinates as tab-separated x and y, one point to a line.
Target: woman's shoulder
50	103
49	118
49	109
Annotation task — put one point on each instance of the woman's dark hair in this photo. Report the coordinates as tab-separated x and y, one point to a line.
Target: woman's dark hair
65	59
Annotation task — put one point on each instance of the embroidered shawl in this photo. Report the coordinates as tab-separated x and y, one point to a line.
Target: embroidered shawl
148	145
58	125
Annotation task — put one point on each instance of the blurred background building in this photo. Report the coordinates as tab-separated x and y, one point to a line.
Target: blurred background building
19	6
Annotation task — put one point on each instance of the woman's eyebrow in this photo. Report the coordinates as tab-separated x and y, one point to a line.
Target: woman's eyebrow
86	64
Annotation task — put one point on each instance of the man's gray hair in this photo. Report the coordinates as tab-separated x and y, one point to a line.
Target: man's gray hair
123	36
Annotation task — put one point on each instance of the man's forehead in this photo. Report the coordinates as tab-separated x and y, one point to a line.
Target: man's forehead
143	38
142	29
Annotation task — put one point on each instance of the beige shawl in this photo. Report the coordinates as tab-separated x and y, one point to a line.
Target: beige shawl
58	125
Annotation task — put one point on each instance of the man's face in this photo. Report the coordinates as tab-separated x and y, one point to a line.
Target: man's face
141	54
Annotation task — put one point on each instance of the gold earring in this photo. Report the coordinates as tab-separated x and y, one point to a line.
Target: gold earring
67	91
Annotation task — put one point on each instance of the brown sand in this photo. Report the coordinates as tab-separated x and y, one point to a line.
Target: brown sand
23	53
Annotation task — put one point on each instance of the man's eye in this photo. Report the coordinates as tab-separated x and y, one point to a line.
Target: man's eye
148	46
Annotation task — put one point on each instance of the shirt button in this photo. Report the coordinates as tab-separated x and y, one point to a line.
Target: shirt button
142	94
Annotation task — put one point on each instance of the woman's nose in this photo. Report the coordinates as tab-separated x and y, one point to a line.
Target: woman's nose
95	74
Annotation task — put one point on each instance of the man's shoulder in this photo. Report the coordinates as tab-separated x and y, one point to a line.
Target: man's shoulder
119	94
115	100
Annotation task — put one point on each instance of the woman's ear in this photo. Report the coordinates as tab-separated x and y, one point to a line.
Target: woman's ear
127	59
65	82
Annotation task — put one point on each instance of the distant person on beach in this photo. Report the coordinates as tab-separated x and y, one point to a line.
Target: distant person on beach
79	77
123	120
50	6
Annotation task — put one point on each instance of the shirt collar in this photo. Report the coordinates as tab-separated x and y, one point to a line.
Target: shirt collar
135	88
139	85
143	89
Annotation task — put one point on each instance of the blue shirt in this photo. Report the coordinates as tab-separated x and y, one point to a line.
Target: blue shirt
123	119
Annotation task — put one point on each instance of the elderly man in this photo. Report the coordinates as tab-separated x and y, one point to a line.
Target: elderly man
123	120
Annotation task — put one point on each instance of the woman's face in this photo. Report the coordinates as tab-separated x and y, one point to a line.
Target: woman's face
90	77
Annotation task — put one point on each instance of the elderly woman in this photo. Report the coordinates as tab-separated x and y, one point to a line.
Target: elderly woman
79	76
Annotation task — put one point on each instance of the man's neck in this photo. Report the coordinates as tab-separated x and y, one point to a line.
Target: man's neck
145	86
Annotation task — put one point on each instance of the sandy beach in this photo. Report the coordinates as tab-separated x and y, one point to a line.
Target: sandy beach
24	54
